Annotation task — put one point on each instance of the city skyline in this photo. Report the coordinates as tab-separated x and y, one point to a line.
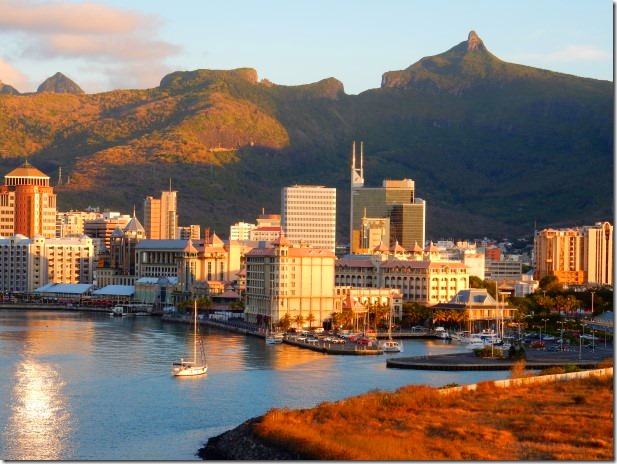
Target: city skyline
106	45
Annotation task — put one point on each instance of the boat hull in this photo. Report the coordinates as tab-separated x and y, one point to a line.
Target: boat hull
189	371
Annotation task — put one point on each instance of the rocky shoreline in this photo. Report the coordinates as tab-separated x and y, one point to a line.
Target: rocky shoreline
241	443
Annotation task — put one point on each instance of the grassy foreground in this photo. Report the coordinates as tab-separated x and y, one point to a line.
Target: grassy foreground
570	420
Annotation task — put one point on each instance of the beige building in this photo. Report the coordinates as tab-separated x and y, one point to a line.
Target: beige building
161	216
241	231
100	229
192	232
73	222
578	255
205	264
419	276
481	310
27	264
70	260
308	215
288	279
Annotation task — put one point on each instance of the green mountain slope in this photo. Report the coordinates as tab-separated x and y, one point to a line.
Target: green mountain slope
494	147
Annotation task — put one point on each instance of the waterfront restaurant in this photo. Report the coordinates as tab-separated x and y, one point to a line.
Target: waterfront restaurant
480	309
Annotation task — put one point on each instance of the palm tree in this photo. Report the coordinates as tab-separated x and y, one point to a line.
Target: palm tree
299	320
284	322
310	319
439	316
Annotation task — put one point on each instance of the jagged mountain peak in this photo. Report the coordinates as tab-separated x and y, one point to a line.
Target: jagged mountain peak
473	41
59	83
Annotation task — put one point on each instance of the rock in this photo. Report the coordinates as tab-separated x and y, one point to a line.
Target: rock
8	89
473	41
59	83
242	444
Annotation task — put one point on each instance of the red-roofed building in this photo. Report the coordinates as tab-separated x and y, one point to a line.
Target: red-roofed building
425	282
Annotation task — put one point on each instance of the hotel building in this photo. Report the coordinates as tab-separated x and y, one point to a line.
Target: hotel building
288	279
27	264
579	255
308	215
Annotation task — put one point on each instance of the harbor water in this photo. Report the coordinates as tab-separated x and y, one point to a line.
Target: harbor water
87	386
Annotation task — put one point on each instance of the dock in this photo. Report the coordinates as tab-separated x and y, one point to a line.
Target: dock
536	359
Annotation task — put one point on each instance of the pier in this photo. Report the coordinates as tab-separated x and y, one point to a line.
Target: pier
536	359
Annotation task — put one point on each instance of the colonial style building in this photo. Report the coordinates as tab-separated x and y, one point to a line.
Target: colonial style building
481	310
27	204
419	276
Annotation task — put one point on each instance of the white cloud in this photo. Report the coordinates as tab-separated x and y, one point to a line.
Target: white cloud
569	54
578	53
53	17
13	76
126	41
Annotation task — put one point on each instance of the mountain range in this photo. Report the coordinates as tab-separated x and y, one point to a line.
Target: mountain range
495	148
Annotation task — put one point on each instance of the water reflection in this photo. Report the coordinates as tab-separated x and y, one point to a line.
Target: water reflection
39	425
92	387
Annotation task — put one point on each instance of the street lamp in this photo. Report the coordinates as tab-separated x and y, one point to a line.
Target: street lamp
562	323
544	328
580	342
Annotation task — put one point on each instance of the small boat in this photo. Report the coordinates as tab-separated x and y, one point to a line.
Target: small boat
392	346
274	338
119	311
194	367
475	345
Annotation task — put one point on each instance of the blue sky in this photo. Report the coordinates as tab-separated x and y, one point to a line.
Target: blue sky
108	44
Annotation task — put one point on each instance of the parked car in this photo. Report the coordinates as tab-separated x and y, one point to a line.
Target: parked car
340	341
312	340
301	338
537	344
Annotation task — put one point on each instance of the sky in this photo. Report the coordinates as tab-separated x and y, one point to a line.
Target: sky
132	44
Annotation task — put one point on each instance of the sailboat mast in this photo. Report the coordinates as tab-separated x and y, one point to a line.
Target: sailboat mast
195	335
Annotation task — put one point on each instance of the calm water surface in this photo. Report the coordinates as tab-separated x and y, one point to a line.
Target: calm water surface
83	386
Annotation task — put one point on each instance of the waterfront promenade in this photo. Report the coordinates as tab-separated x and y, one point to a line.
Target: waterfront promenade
536	359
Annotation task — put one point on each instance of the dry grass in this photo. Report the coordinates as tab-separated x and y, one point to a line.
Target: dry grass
560	421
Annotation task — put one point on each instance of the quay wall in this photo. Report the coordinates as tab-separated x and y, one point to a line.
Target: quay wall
535	379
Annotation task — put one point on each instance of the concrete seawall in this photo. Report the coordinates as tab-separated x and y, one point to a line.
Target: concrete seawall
536	379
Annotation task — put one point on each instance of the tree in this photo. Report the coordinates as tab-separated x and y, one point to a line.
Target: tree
299	320
310	319
284	322
439	316
546	303
550	283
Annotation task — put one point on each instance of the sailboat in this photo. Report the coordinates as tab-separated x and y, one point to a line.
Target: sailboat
273	337
194	367
390	345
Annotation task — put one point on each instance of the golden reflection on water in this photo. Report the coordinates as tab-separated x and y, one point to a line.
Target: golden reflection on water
39	426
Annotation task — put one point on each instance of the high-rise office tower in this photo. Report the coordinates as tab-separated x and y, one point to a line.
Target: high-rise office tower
27	203
161	216
395	200
308	215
